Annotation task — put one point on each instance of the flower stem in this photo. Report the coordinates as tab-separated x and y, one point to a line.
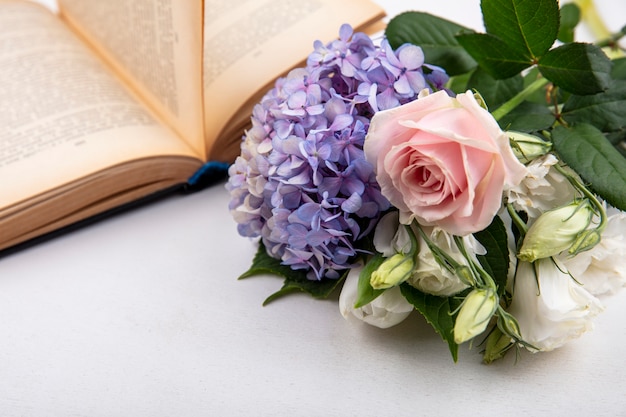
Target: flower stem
517	220
519	98
486	280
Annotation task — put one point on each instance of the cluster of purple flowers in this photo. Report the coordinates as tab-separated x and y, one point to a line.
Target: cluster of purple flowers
301	183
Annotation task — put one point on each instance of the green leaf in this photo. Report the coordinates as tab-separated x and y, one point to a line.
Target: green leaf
317	289
495	92
436	38
493	54
618	139
585	149
528	27
262	263
496	260
606	111
528	117
294	280
579	68
570	17
437	311
619	69
365	293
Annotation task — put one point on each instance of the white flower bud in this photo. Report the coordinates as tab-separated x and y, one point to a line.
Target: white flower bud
555	231
527	147
476	311
392	271
496	345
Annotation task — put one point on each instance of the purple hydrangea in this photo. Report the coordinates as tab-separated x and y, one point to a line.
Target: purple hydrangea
302	183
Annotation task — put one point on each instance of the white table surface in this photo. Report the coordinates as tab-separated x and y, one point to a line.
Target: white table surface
142	315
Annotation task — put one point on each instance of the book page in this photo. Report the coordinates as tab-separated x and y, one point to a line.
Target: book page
63	115
248	44
156	47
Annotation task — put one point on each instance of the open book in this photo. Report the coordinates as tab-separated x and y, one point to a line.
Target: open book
108	102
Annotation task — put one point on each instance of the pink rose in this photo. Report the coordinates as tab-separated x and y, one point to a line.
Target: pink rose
443	161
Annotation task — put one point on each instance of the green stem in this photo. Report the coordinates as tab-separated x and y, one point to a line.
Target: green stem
443	259
519	98
478	271
517	220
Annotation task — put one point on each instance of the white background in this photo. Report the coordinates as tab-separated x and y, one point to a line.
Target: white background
142	315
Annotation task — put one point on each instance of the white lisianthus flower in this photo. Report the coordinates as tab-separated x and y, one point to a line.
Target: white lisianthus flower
429	276
390	237
387	310
601	269
543	189
557	311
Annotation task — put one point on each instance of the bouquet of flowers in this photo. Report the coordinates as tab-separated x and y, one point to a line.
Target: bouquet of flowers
476	178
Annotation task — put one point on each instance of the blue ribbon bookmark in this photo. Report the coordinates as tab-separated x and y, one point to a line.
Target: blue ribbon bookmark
208	174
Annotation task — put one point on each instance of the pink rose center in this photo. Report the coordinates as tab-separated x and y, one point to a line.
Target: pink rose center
426	176
430	174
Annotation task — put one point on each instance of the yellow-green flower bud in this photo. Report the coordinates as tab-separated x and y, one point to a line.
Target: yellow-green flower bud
555	231
392	271
527	147
585	241
476	311
496	345
509	325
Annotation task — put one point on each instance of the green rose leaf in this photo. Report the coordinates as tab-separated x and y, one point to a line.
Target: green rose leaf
619	69
570	17
528	27
496	260
495	92
294	280
494	55
619	141
585	149
604	110
365	293
528	117
437	311
436	38
579	68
